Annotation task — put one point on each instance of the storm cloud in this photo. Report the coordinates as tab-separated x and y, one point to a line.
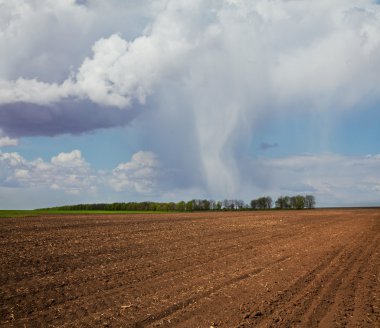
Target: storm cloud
21	119
200	77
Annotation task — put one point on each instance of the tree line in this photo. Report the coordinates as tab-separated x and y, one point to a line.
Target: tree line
298	202
263	203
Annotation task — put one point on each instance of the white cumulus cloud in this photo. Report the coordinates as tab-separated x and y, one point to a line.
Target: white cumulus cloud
67	172
140	174
6	141
118	71
72	159
71	174
334	179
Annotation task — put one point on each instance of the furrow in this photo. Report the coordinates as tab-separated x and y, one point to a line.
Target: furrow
293	301
325	301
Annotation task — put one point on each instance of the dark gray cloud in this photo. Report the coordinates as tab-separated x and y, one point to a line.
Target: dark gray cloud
69	116
267	145
81	2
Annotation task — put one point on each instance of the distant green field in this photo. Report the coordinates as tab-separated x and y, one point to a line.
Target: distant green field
26	213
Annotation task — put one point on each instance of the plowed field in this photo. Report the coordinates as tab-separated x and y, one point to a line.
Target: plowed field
318	268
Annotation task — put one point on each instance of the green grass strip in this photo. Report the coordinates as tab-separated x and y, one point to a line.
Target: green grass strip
28	213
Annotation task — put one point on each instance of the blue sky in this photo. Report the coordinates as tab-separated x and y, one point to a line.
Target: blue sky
105	148
356	133
168	100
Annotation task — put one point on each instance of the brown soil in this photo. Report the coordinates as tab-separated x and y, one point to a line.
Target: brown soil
315	268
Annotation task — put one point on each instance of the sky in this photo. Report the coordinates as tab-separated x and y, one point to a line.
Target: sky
164	100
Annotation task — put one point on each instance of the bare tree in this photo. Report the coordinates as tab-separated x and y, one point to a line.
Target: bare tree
309	201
